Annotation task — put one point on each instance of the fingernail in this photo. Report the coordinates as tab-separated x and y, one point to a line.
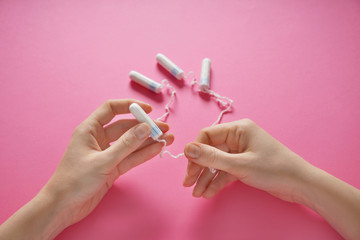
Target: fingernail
193	151
142	131
149	106
196	194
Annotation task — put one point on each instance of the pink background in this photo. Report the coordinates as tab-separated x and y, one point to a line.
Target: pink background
292	66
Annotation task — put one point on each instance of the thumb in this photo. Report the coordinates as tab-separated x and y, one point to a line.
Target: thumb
212	157
127	144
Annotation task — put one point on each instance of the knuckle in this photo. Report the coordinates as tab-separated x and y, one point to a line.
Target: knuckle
109	105
80	129
238	133
107	102
121	169
105	105
246	122
206	130
126	140
89	126
212	157
203	132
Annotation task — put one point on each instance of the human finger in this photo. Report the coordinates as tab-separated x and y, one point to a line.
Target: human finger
126	144
203	181
208	156
140	156
114	130
109	109
193	170
151	141
215	186
230	134
214	135
192	173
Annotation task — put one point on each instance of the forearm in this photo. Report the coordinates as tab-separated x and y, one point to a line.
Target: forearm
40	218
336	201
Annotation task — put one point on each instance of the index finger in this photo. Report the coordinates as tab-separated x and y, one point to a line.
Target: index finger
214	135
109	109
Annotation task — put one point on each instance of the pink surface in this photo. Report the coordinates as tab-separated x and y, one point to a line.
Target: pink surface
292	66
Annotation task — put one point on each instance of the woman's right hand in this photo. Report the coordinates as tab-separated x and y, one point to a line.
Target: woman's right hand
243	151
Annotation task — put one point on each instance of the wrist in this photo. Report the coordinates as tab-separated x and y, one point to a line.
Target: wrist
41	218
54	217
305	182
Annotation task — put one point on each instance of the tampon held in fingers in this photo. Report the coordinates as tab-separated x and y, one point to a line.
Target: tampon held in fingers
170	66
145	82
141	116
205	75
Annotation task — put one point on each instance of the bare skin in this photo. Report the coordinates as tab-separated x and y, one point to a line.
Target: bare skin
240	150
86	172
243	151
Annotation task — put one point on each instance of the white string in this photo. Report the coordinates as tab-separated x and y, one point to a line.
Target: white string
193	80
223	100
165	83
229	104
163	148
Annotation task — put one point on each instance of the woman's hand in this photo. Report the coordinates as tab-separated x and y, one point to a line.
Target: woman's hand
242	151
86	172
91	165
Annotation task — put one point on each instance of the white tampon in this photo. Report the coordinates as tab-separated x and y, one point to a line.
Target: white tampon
205	75
170	66
145	82
141	116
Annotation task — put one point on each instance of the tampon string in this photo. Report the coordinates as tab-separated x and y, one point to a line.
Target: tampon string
165	83
167	152
178	73
223	100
